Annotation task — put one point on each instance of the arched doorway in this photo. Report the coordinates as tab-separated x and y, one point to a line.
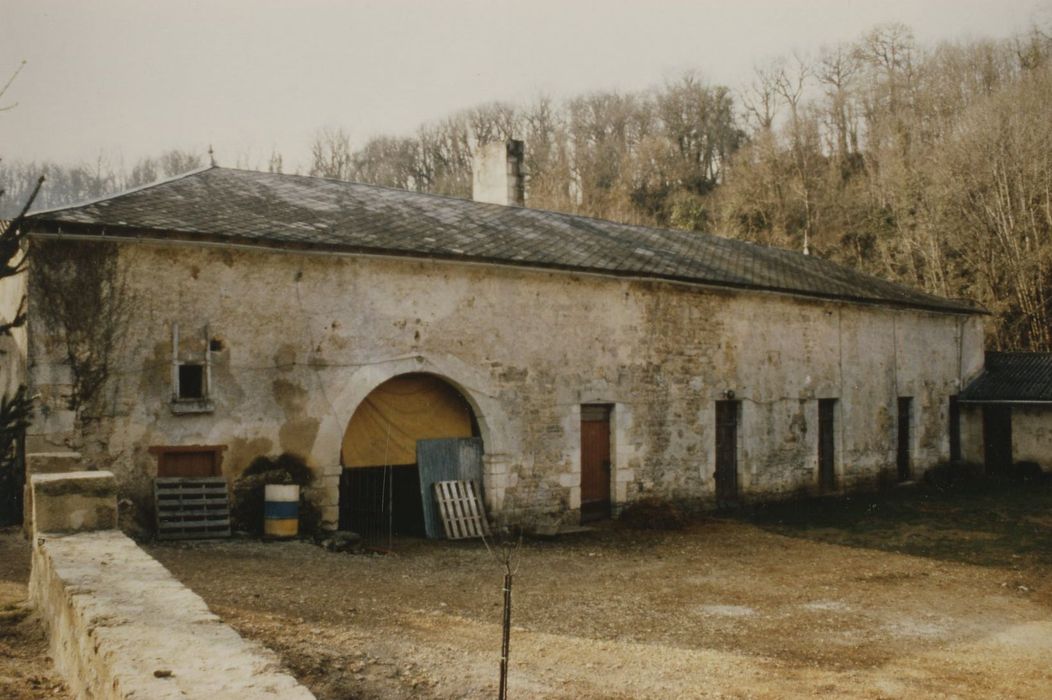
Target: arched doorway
380	484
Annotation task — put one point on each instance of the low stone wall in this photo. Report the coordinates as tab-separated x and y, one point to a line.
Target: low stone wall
120	625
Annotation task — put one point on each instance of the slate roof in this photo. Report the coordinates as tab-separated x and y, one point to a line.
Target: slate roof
1021	377
292	211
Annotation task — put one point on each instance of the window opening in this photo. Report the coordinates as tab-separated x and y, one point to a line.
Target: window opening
191	381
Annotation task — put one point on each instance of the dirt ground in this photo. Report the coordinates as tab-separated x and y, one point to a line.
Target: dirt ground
26	671
916	594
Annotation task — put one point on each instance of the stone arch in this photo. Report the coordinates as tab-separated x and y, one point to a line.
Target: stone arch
473	385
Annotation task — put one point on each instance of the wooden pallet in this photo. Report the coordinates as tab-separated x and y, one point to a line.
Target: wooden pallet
462	514
191	508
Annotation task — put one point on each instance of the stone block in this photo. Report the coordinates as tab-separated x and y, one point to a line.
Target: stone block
43	462
74	502
330	517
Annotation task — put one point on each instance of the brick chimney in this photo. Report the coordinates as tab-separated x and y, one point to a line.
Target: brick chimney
496	174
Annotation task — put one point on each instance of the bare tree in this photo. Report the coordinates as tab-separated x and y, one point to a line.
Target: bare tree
835	70
16	410
760	98
504	548
331	154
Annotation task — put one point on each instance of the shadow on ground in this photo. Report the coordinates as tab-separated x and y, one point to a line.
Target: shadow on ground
978	520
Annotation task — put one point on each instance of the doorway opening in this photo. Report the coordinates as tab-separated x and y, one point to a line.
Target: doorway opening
955	429
903	456
826	445
997	438
727	453
385	483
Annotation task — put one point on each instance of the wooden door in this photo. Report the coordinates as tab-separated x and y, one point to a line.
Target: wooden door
446	459
902	458
997	438
726	452
595	462
826	455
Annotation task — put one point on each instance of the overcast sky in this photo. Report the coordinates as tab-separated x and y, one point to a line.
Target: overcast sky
128	78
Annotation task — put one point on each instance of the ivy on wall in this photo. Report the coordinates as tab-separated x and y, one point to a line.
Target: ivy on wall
81	294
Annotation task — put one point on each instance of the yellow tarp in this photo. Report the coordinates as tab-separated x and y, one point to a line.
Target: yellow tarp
386	425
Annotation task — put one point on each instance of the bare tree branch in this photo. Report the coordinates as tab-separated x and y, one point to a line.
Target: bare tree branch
8	84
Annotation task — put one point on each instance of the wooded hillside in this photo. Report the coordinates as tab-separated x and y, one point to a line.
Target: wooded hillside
930	165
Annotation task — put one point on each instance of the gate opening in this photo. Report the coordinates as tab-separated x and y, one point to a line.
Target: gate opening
380	485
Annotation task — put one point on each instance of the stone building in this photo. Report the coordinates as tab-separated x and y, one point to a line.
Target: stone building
1006	412
247	314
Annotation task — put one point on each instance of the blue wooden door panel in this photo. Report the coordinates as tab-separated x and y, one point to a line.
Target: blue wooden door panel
446	459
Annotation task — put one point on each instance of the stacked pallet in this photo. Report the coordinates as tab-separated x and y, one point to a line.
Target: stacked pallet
192	508
461	510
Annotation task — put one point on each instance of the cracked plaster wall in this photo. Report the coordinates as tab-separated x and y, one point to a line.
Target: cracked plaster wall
304	338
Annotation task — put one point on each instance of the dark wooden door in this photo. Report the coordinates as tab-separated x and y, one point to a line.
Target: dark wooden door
595	462
997	438
826	455
726	453
903	450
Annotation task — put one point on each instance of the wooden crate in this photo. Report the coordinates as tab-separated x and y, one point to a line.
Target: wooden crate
462	513
191	508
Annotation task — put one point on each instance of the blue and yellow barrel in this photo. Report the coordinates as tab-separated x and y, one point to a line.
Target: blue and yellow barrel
281	510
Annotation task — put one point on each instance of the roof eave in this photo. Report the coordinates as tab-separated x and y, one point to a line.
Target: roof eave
1013	402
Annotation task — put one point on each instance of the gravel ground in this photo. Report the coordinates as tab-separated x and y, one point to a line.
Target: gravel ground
721	609
25	670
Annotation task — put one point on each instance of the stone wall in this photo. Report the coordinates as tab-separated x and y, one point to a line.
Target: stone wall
298	340
1031	434
119	625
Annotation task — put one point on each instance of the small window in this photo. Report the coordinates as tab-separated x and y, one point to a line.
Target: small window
191	381
191	373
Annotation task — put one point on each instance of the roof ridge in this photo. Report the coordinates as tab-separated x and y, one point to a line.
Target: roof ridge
130	190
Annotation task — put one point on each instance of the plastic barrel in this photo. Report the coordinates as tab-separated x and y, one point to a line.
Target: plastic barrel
281	510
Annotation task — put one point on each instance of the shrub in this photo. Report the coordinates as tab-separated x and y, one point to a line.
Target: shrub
246	510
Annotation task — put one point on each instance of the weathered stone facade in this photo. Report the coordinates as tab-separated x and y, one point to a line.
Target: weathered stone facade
1031	436
297	340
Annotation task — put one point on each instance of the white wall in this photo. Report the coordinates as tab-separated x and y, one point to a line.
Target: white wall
306	337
